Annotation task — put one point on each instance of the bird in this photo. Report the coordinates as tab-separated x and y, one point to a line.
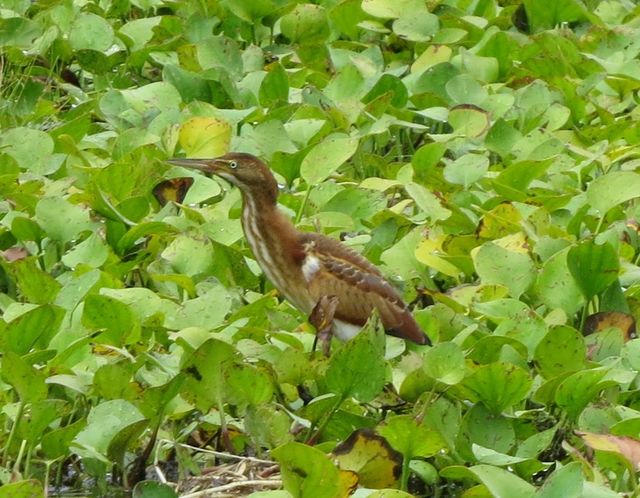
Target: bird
336	287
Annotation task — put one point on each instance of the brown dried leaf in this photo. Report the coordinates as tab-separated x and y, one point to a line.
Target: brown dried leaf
611	319
368	454
15	253
174	189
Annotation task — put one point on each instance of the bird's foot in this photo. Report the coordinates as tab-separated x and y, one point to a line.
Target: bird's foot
321	317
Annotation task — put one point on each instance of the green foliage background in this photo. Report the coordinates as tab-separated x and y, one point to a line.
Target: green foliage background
482	152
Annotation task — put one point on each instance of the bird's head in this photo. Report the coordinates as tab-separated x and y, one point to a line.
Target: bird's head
243	170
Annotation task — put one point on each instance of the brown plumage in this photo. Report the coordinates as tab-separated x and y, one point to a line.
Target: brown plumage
307	268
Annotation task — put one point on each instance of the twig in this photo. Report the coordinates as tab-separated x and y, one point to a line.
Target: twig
161	477
266	483
220	454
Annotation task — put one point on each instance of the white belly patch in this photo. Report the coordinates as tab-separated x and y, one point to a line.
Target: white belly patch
345	331
310	267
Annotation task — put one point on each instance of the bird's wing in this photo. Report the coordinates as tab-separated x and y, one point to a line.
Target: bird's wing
332	269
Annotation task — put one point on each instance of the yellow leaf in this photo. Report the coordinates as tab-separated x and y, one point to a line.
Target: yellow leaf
205	137
369	455
426	253
434	54
516	242
501	220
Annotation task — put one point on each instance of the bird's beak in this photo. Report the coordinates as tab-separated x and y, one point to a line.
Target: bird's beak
206	165
215	165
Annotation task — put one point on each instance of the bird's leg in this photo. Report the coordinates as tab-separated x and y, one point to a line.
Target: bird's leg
321	317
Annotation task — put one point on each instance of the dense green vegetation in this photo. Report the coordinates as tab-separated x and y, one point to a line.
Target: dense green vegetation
484	153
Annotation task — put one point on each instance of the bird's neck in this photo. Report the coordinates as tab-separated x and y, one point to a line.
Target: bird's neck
275	243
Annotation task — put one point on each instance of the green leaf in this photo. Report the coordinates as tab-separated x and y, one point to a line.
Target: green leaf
153	489
463	89
124	439
498	385
392	8
547	17
514	181
142	230
466	170
593	266
613	189
35	328
358	368
18	32
208	310
501	138
419	25
578	389
562	350
498	265
105	423
22	489
106	314
488	429
145	304
92	252
222	53
113	381
567	481
190	255
61	220
308	473
94	61
57	442
247	385
390	493
445	363
39	416
555	286
140	31
306	23
427	201
268	426
389	84
410	438
250	10
26	229
28	382
205	370
31	149
469	120
326	157
275	86
499	482
90	31
444	417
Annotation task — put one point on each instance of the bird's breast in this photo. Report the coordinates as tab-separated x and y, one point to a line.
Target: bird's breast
272	244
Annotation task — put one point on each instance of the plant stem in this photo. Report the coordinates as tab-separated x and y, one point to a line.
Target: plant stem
600	222
303	206
585	312
16	464
27	463
12	433
404	479
312	436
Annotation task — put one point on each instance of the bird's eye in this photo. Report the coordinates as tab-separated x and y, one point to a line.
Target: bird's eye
233	164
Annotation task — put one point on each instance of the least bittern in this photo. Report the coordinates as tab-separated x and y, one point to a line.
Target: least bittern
335	286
